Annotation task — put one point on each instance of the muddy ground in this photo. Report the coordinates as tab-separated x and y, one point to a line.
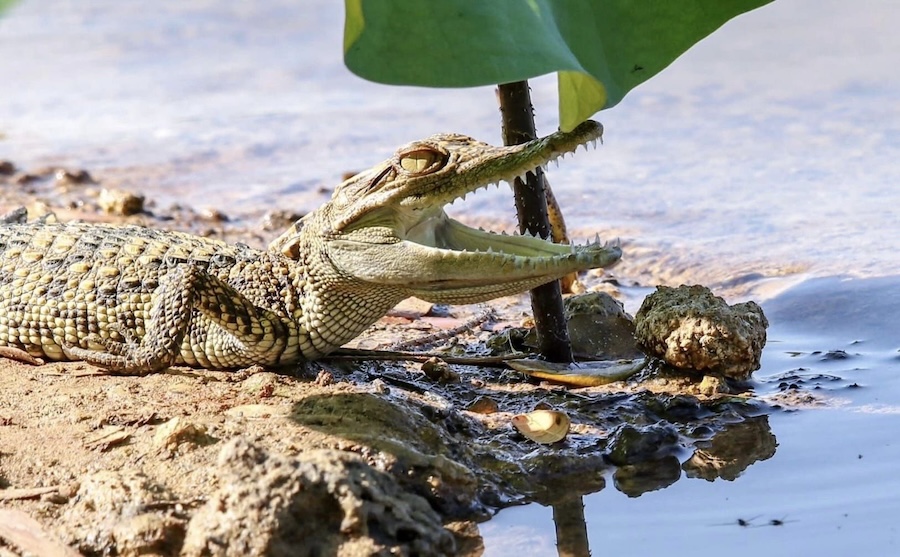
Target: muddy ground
333	457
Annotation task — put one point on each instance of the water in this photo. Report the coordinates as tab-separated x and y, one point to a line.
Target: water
831	481
763	162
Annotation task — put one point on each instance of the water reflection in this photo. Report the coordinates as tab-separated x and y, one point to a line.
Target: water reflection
724	455
728	453
571	528
636	479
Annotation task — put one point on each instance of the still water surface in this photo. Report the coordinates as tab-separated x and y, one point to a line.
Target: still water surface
769	151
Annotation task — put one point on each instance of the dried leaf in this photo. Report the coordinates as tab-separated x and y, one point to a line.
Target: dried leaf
579	374
543	426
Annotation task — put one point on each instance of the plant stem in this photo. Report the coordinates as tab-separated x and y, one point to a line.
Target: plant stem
531	206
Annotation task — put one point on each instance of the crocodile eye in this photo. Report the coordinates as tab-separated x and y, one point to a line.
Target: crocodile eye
421	161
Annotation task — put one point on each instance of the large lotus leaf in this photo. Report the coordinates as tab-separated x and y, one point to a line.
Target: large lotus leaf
601	49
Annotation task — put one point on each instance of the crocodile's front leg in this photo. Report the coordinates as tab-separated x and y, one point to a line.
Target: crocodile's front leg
238	332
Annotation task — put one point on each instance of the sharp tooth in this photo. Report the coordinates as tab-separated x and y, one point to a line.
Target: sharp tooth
490	250
597	238
594	143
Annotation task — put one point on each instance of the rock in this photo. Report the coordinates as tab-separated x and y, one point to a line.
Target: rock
438	370
279	220
113	514
323	502
692	329
119	202
178	431
66	177
599	328
484	405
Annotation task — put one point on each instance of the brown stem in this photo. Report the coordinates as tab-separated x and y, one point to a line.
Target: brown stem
531	206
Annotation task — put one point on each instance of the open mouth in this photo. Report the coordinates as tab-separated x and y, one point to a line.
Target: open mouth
430	226
438	230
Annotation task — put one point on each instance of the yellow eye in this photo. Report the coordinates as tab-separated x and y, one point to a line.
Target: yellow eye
418	161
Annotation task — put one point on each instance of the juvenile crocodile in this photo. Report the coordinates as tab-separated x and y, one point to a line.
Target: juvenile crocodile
136	300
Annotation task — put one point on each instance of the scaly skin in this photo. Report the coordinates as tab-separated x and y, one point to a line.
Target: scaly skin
135	300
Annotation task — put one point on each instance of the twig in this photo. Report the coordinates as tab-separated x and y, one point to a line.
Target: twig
26	493
352	354
486	314
28	535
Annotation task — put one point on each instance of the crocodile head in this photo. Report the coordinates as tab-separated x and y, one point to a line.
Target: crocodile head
387	225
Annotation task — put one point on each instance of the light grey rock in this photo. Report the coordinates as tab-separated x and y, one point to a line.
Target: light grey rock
692	329
322	502
114	512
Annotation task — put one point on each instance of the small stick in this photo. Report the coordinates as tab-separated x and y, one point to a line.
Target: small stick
27	534
351	354
26	493
486	314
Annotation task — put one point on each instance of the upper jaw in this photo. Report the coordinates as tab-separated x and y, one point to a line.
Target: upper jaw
411	204
471	166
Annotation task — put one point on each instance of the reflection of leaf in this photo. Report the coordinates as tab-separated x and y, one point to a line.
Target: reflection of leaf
602	49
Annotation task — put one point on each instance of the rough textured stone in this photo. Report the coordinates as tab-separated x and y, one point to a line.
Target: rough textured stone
691	328
323	502
116	510
599	327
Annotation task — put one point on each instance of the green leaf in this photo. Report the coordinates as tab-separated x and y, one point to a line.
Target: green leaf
602	49
5	4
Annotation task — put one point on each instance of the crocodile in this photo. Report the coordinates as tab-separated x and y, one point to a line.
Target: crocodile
135	300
